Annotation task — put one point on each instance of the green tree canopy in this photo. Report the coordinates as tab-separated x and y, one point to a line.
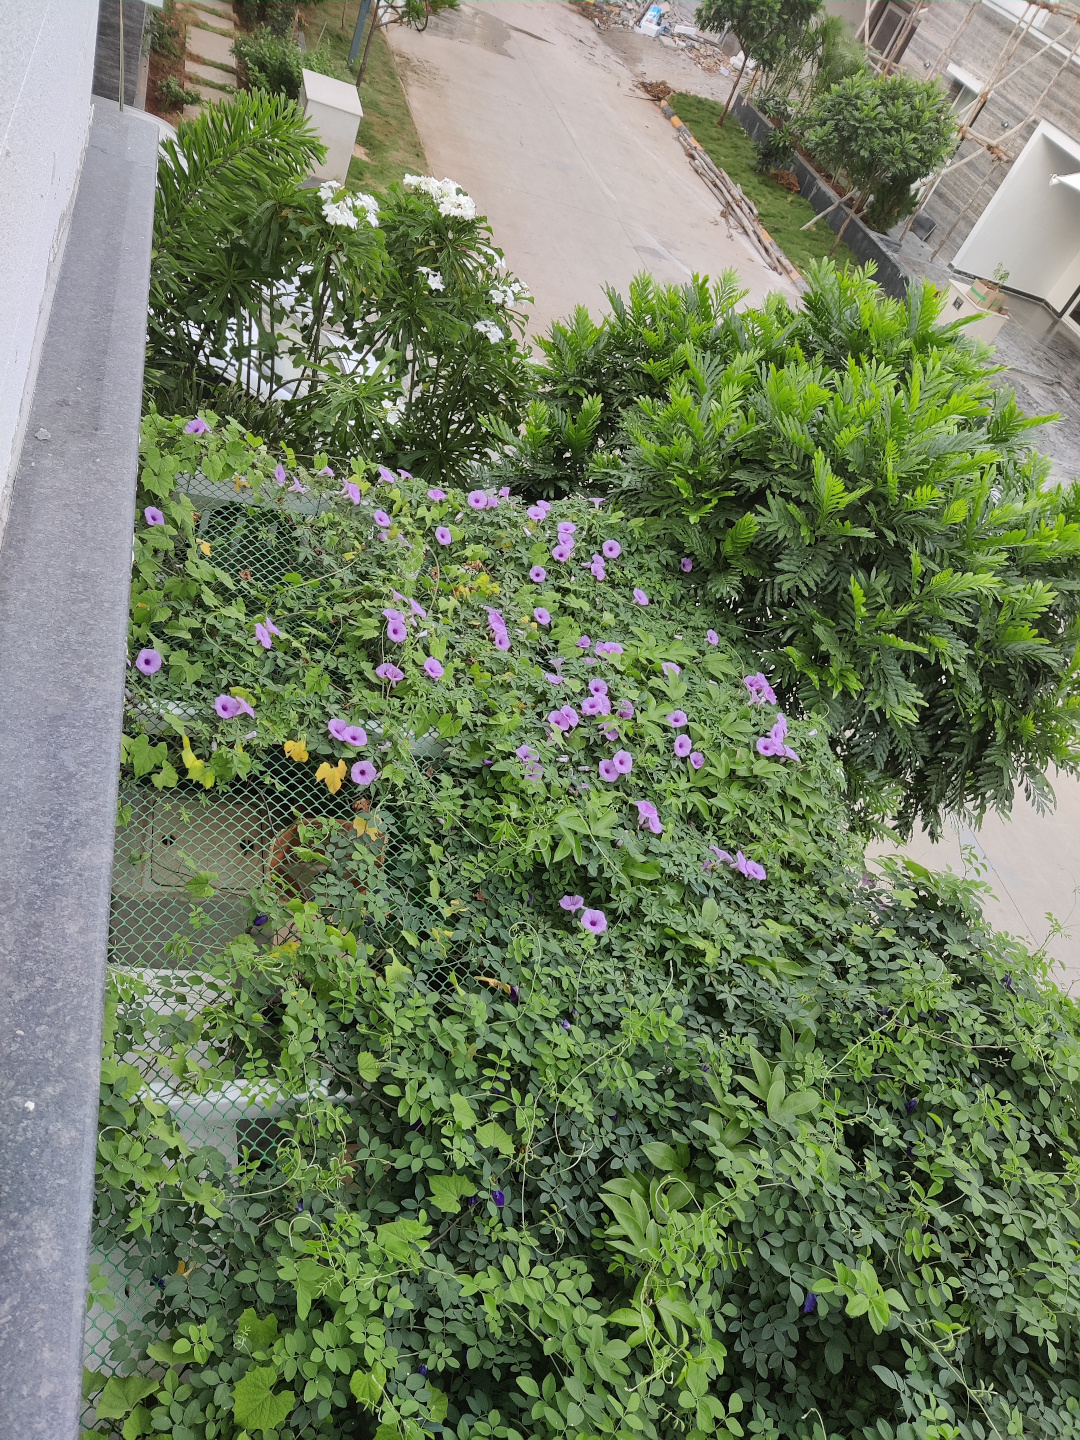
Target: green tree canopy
766	29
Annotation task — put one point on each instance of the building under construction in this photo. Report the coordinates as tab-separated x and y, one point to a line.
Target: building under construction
1008	201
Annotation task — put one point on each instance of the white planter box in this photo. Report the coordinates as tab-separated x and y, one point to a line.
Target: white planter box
334	108
959	304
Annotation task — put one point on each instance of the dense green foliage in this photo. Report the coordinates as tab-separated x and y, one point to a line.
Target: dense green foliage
793	1156
871	509
769	32
358	325
270	62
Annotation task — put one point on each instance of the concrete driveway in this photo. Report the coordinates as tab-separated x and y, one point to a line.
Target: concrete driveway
524	105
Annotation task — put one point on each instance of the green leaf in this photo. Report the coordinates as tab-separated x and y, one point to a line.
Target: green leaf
464	1114
123	1394
367	1066
137	1423
255	1406
494	1137
257	1334
366	1387
448	1191
664	1157
438	1405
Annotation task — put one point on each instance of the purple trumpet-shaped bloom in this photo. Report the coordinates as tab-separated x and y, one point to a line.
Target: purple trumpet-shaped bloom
571	717
526	752
697	759
442	535
363	773
554	679
583	642
326	470
686	564
492	502
640	598
298	488
280	475
597	569
351	491
337	728
623	761
386	476
608	771
722	855
148	661
566	527
389	672
594	921
541	616
608	647
228	707
682	746
272	627
769	747
432	669
647	816
677	719
534	771
476	500
565	1024
535	513
609	733
382	519
354	735
625	710
611	549
597	687
436	494
263	636
595	705
712	637
538	574
749	868
571	902
153	516
559	720
417	609
670	668
405	474
198	426
562	553
761	692
395	630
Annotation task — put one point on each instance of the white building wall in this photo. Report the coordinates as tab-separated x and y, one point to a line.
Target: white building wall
46	66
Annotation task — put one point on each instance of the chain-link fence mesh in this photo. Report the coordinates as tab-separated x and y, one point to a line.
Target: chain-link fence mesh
189	865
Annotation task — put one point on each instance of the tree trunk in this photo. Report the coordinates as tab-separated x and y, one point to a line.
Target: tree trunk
852	211
734	89
367	47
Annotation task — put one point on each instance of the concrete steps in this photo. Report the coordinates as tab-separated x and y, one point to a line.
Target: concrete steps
199	74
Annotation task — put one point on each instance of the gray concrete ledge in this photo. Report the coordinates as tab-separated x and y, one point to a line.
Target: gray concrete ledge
863	243
64	574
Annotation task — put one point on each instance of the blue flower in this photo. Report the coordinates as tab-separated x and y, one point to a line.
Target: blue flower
422	1370
498	1197
911	1106
810	1303
261	920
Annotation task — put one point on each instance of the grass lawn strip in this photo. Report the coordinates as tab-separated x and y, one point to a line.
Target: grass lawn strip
782	213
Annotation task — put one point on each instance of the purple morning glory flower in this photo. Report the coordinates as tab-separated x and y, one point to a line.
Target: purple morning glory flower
263	636
583	642
351	491
566	527
535	513
326	470
434	493
476	500
390	672
499	1198
492	503
625	711
417	609
153	516
228	707
553	679
538	574
504	493
405	474
354	735
382	519
534	771
561	553
722	855
670	668
677	718
686	564
432	669
810	1303
442	535
608	647
558	719
337	728
198	426
623	761
712	637
363	773
597	687
526	752
640	597
566	1024
272	627
647	815
597	569
761	692
595	921
395	630
571	716
280	475
697	759
596	705
750	868
571	902
608	771
298	488
612	549
541	616
682	746
148	661
769	747
386	476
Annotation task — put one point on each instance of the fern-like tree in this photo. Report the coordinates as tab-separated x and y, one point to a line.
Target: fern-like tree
765	29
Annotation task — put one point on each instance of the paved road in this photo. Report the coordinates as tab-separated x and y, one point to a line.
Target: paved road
526	107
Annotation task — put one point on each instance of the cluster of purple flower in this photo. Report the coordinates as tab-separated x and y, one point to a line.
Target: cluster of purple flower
595	921
761	692
533	769
773	744
565	548
264	634
599	702
363	772
480	500
539	511
497	626
750	868
621	763
396	628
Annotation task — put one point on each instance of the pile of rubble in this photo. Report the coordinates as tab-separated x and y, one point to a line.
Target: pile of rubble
670	22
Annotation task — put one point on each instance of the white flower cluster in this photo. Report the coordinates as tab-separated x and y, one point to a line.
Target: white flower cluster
510	293
395	409
490	329
433	278
447	194
340	208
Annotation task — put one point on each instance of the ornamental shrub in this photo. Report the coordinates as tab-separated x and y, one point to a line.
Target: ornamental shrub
270	61
768	1149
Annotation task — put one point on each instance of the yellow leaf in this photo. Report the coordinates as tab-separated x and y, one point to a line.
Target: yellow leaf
204	546
333	775
296	750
